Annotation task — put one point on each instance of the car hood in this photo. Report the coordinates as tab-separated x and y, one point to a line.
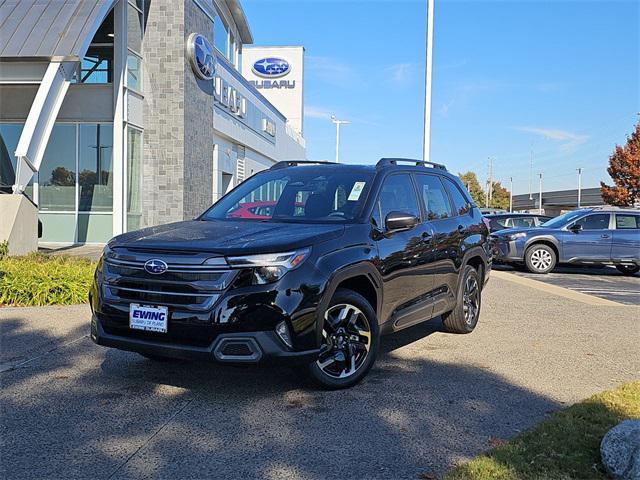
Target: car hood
228	237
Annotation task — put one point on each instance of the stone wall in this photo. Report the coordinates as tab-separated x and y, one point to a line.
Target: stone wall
198	123
164	164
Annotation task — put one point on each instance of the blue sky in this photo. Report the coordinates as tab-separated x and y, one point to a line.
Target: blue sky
559	77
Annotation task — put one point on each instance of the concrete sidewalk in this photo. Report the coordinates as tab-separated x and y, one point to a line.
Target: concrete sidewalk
73	409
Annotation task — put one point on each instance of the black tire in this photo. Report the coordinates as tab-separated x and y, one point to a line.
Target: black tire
335	359
464	318
540	258
628	269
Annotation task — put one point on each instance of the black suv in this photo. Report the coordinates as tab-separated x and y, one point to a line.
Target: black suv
306	263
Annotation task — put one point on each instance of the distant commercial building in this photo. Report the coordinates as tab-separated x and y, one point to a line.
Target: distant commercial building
556	202
120	114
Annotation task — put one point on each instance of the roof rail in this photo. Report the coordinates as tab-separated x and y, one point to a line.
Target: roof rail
383	162
612	207
295	163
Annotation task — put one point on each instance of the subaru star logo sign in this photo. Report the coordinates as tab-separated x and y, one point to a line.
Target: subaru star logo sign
201	56
271	67
155	267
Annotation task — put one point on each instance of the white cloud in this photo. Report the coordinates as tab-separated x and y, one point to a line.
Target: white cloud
401	74
330	70
314	111
569	140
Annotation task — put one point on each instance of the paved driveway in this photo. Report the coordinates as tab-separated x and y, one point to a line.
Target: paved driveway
603	282
70	409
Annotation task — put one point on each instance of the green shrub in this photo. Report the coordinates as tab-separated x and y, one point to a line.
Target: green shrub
39	279
4	249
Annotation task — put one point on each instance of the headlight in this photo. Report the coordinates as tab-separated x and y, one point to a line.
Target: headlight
515	236
270	267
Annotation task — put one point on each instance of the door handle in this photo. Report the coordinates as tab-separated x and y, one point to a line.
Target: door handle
605	235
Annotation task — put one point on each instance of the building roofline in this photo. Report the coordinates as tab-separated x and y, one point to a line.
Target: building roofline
240	20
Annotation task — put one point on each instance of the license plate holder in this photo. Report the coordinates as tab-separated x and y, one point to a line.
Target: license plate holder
149	318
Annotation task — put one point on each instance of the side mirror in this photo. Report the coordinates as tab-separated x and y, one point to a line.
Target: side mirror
575	228
400	221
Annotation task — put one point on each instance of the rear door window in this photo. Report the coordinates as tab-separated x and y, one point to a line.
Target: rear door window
434	197
627	222
460	204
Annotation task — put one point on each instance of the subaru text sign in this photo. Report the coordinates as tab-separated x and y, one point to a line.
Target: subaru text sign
201	56
271	67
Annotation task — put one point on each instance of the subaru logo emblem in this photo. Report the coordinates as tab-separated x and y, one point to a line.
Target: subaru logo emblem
201	56
155	267
271	67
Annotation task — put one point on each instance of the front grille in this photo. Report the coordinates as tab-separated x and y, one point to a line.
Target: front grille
195	287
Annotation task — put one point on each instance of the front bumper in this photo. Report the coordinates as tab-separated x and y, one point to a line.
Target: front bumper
230	348
507	251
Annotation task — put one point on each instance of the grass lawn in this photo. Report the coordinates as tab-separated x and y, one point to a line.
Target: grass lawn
565	446
39	279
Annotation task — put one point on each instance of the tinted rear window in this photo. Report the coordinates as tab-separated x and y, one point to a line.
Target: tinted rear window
460	203
627	222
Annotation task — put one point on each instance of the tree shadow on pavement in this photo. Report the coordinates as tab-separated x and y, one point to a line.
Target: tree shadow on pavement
87	412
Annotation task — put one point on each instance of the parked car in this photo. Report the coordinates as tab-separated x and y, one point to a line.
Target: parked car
589	236
373	249
491	211
500	221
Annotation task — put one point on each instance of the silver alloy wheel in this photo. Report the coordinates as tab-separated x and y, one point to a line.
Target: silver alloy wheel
346	341
541	259
470	300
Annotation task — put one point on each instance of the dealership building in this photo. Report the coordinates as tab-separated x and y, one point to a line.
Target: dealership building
121	114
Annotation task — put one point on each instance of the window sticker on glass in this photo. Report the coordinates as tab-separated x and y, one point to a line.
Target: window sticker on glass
356	191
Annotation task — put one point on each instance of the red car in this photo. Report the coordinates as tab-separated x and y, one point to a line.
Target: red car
262	209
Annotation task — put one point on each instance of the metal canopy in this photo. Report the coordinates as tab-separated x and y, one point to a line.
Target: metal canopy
53	29
60	30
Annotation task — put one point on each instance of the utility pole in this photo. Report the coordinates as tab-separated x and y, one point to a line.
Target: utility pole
426	147
579	186
510	194
489	194
338	123
540	209
531	173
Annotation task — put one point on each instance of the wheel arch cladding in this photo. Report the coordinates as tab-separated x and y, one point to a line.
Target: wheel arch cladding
548	243
363	285
477	263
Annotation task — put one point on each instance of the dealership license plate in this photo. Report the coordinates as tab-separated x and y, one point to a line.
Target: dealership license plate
151	319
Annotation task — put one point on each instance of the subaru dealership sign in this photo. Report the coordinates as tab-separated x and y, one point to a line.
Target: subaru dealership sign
201	56
271	67
277	73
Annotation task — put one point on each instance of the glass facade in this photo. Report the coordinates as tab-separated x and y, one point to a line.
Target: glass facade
134	45
221	36
74	187
134	178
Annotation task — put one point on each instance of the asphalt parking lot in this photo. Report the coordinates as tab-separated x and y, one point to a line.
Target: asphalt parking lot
603	282
70	409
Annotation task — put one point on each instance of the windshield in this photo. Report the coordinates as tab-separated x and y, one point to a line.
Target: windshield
303	194
563	219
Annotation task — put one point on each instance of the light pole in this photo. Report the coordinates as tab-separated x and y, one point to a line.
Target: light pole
540	206
426	147
579	186
338	123
510	194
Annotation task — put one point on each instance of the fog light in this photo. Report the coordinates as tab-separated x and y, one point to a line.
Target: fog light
283	332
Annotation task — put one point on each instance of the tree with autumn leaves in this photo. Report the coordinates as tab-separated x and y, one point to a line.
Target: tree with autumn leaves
499	194
624	169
